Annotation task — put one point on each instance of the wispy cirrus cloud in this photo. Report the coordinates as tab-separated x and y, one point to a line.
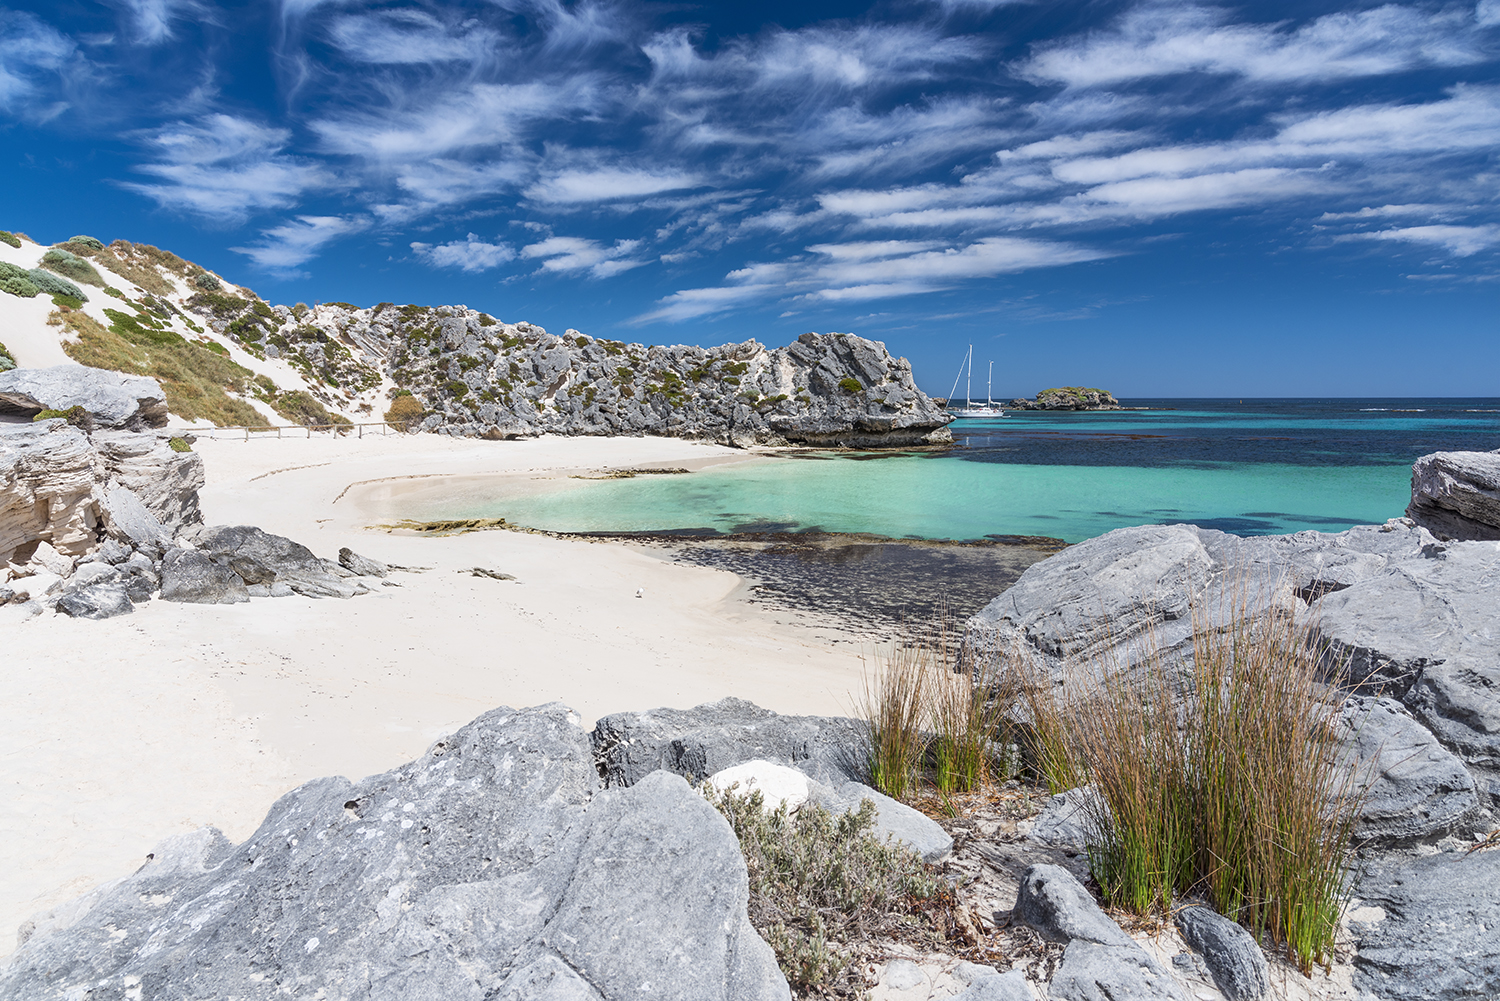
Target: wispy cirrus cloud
224	168
1460	241
1164	39
282	249
409	36
29	49
151	21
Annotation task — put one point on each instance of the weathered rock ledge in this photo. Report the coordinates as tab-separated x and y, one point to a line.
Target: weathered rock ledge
1068	398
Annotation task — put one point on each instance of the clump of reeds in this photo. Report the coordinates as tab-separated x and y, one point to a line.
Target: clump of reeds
929	716
1225	778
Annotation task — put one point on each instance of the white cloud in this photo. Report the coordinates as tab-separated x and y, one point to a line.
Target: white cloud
1487	13
471	254
608	184
28	46
411	36
283	248
481	114
694	302
570	253
151	20
1460	241
1161	39
224	167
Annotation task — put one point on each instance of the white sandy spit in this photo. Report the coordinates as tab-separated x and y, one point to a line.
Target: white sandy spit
118	733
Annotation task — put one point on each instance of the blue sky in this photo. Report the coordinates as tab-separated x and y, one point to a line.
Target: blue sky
1175	199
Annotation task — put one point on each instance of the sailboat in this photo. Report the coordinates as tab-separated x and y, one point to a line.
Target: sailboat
969	409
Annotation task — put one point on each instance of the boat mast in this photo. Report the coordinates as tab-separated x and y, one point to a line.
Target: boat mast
970	379
989	388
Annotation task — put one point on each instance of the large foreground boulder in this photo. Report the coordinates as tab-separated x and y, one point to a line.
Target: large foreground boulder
260	558
1456	495
112	399
1425	929
1401	614
493	868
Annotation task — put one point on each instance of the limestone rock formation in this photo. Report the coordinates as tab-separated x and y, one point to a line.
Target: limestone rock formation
1101	961
1424	928
1407	616
60	485
1456	495
704	741
1233	957
493	868
479	377
113	399
1068	398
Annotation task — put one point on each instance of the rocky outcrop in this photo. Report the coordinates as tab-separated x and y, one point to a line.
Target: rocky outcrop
1456	495
494	867
1233	958
112	399
479	377
1402	614
1069	398
63	486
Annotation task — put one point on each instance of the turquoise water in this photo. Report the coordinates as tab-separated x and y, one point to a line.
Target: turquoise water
1261	466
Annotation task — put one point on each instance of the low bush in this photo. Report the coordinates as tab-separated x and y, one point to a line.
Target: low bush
7	360
6	236
197	382
299	407
17	281
88	242
71	266
67	302
179	445
51	284
207	282
1232	786
820	882
77	416
850	385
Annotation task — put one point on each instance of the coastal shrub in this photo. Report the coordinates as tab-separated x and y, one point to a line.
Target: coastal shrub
67	302
486	320
1234	787
112	291
819	883
7	236
893	706
7	360
51	284
179	445
86	241
207	282
404	409
196	382
299	407
17	281
78	416
71	266
850	384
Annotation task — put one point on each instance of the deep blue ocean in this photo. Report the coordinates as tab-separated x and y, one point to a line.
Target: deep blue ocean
1250	467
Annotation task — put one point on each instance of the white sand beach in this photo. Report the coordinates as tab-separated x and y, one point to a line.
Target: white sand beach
117	733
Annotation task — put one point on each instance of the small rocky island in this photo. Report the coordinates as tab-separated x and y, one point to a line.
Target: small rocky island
1069	398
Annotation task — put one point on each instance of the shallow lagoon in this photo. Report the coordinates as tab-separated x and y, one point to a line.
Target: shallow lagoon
1251	467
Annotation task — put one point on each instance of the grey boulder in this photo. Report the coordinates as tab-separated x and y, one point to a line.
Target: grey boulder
699	742
112	398
97	601
361	565
1069	820
1101	962
493	867
1008	986
189	576
1425	928
1413	788
1456	495
261	558
1234	960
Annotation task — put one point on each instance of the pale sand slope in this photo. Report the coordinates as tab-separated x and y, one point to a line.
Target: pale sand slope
115	734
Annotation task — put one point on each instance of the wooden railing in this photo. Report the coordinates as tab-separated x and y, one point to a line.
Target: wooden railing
265	430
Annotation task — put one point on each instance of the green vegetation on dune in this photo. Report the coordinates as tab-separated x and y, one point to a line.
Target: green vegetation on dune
197	382
72	266
17	281
7	360
7	236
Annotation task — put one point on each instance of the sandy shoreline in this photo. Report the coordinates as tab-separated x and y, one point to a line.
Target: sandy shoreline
121	732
